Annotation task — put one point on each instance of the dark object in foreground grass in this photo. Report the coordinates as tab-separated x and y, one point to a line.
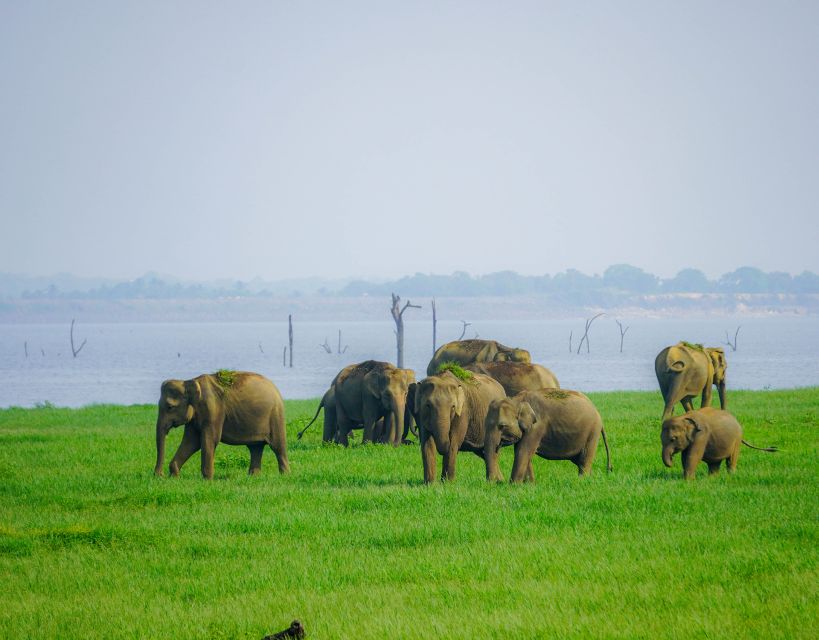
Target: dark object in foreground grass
707	435
295	630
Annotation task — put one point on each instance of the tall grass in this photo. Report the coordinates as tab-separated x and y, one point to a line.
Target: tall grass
352	543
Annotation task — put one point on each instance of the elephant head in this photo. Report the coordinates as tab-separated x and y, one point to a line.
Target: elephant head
678	433
720	365
506	422
513	355
439	401
388	388
177	402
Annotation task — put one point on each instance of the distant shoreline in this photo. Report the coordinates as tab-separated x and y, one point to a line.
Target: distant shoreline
375	308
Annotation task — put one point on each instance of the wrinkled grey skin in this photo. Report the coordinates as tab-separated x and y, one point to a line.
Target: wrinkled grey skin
465	352
451	415
707	435
516	377
554	424
250	412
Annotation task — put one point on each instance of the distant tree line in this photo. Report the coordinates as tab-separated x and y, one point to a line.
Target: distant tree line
616	282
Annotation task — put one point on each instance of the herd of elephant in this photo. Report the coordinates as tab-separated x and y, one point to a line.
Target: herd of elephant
478	396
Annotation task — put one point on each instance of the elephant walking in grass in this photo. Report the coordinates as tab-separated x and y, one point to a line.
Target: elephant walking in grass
556	424
708	435
465	352
233	407
686	370
361	395
451	413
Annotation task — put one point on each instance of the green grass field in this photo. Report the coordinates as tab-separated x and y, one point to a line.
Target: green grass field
351	543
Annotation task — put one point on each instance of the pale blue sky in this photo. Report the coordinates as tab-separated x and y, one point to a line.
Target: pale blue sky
282	139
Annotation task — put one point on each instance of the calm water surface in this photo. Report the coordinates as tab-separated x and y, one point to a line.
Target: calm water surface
125	363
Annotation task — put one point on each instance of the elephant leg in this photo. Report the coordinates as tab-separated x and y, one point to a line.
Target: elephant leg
256	451
723	403
586	457
668	410
450	457
188	446
706	395
524	451
530	473
208	448
330	424
713	468
687	404
731	461
344	425
691	457
428	456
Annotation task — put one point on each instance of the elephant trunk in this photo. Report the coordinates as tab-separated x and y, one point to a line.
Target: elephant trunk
397	408
439	427
668	452
161	433
491	446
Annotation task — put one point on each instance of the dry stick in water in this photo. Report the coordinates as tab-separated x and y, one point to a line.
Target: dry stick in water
434	327
728	340
463	331
73	350
398	315
622	333
586	334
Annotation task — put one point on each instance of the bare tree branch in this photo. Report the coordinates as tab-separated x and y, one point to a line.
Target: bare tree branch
73	350
398	315
326	346
622	333
570	340
728	340
463	331
585	337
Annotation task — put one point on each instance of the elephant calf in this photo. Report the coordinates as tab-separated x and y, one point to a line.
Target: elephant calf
708	434
233	407
557	424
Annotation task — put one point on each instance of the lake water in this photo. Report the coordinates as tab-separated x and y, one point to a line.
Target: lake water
125	363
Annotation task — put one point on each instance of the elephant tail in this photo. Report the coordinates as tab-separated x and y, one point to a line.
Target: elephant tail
608	455
768	449
301	433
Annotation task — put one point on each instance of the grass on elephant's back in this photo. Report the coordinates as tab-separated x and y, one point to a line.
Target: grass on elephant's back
88	530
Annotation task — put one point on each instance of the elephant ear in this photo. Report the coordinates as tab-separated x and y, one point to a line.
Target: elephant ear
696	427
526	416
460	400
193	391
373	383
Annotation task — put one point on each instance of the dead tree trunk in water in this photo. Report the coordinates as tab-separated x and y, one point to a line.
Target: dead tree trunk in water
398	315
586	333
728	340
346	346
73	350
622	333
25	347
434	328
326	346
463	331
290	337
284	356
571	333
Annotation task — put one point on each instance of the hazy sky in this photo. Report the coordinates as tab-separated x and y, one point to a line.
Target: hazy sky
281	139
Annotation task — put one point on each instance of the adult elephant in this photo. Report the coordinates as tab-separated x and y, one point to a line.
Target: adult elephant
451	413
515	377
468	351
233	407
556	424
359	396
684	370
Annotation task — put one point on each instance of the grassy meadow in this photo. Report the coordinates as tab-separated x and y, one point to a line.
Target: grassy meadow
92	545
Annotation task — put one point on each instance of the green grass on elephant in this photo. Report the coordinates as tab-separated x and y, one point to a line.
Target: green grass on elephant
355	546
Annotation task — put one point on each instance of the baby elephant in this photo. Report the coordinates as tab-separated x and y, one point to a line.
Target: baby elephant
556	424
708	434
